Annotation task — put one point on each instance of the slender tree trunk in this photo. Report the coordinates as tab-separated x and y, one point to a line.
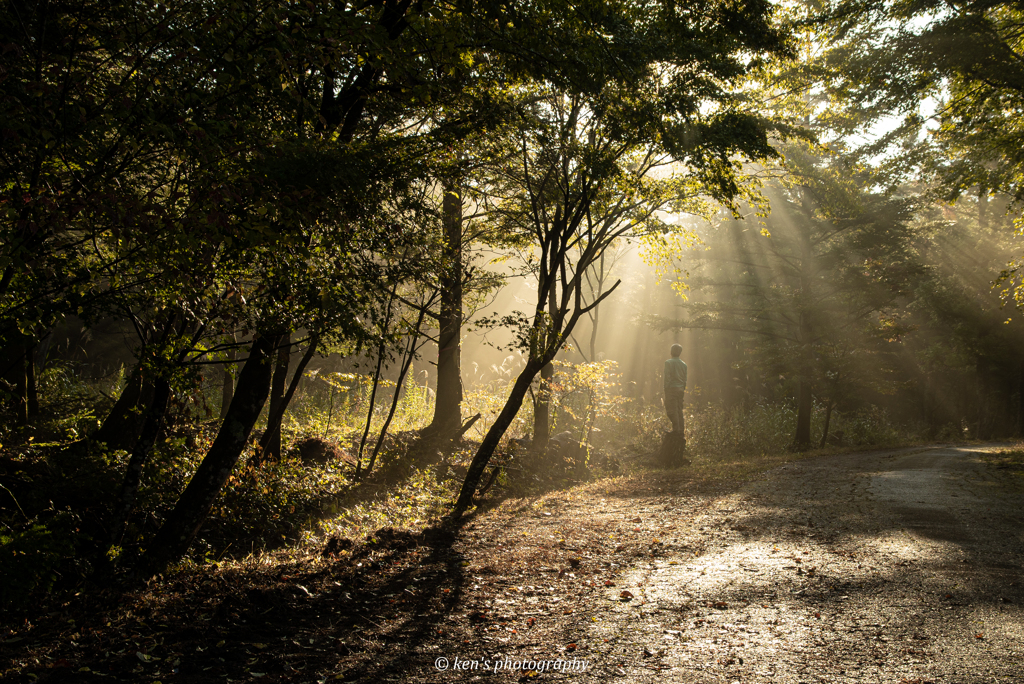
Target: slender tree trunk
980	393
410	354
542	409
639	369
805	403
140	455
32	392
228	388
1020	401
276	417
13	370
805	400
828	422
448	398
194	504
20	403
121	428
983	207
595	314
369	411
494	435
273	444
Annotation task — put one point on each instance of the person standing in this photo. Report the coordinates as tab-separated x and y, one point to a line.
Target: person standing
675	389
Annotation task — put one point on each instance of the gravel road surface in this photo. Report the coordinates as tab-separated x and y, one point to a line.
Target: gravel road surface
903	566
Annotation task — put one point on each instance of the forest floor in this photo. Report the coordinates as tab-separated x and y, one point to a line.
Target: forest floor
888	566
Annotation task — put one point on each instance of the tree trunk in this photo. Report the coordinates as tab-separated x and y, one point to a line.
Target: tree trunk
228	388
410	354
828	421
542	409
373	400
983	207
1020	402
20	400
448	398
194	504
140	455
32	392
639	367
122	425
275	417
13	370
595	314
804	405
494	435
595	319
272	450
805	401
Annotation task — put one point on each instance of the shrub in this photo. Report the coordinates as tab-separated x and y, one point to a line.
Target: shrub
34	558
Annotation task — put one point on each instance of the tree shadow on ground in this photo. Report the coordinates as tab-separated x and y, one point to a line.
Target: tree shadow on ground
305	620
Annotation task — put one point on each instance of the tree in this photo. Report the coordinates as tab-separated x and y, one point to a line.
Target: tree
192	508
967	57
581	174
448	397
823	278
209	170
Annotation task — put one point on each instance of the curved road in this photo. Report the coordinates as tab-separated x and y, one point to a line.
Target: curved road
902	566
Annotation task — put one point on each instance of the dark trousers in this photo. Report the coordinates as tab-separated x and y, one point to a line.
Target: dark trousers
674	407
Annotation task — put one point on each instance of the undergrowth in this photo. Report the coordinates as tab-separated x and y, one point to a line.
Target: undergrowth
1009	460
58	488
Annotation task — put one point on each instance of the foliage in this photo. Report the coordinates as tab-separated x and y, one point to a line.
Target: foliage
33	558
895	57
422	496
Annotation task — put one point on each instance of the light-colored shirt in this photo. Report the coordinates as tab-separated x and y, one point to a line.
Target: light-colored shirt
675	374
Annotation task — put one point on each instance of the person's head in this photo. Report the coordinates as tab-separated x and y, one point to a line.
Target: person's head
676	350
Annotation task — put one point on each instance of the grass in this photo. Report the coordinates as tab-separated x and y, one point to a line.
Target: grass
1009	460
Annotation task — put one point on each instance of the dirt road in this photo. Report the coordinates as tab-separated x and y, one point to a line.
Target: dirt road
905	566
896	567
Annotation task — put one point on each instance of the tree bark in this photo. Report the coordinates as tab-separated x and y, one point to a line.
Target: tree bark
373	400
542	409
802	439
828	421
13	371
804	405
448	398
983	207
494	435
410	354
228	388
272	450
32	391
121	428
20	399
140	455
275	418
1020	401
194	504
595	318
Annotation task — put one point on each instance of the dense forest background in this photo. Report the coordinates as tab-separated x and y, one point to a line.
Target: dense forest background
257	255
